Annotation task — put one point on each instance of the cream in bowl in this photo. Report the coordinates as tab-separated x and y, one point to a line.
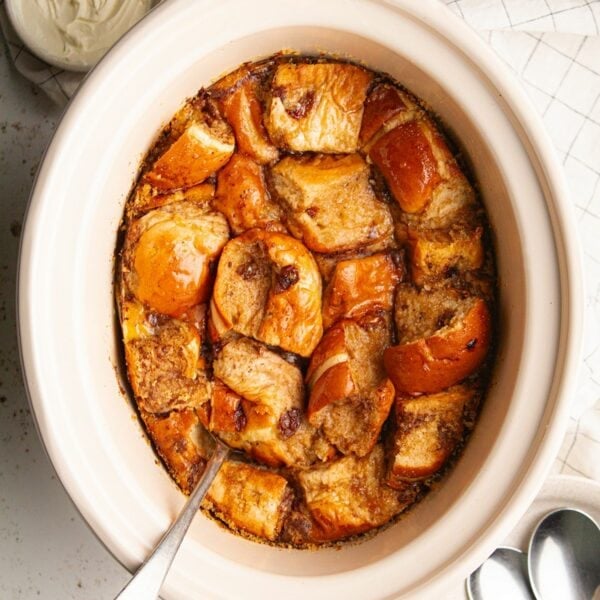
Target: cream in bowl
74	34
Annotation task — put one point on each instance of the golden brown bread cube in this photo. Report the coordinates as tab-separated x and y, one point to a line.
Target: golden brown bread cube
406	158
361	285
317	107
164	362
453	203
238	98
426	430
250	499
268	287
439	254
270	423
245	497
197	153
242	196
350	394
348	496
329	202
383	102
147	198
443	338
168	256
182	443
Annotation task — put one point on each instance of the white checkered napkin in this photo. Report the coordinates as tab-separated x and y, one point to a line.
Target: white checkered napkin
553	47
57	83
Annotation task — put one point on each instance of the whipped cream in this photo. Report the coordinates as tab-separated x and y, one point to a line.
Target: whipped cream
76	33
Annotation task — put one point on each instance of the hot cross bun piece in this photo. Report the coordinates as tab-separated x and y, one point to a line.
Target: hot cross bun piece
444	336
268	287
350	393
424	432
197	143
146	198
317	107
259	407
168	256
329	202
440	254
165	365
239	98
250	499
346	497
243	197
306	273
386	107
359	286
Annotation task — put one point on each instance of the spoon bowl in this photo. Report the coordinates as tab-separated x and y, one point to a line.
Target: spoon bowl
503	575
564	556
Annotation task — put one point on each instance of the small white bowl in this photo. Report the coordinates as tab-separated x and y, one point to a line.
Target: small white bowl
69	339
28	17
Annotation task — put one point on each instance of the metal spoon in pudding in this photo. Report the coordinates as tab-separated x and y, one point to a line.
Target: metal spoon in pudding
147	580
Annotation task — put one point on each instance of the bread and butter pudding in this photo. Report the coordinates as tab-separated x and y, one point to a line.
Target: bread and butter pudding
306	272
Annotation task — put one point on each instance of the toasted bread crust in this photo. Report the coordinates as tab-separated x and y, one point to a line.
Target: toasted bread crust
317	107
426	430
268	287
445	358
329	202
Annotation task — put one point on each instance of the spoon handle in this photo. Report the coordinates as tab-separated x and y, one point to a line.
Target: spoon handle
147	580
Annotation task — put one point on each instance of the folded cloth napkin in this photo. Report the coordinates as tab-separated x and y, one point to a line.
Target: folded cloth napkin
57	83
553	47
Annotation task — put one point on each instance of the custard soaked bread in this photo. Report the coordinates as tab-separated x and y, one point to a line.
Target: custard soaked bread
268	287
306	273
444	336
317	107
425	431
271	426
350	393
329	202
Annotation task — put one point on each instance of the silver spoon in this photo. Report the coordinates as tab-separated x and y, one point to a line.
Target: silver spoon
564	556
502	576
147	580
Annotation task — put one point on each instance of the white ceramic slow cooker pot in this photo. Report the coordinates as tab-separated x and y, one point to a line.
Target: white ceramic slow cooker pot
69	337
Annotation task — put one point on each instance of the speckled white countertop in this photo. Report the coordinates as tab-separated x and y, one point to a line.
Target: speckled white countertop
46	549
